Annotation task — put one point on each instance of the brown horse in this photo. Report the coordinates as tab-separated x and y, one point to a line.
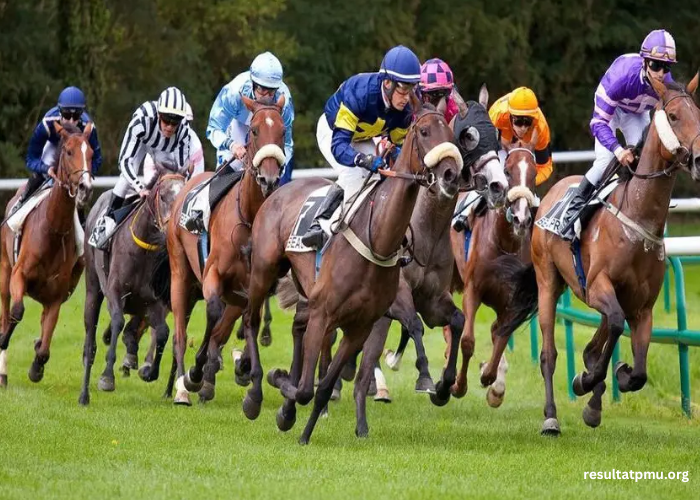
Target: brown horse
48	266
351	291
504	231
225	275
622	252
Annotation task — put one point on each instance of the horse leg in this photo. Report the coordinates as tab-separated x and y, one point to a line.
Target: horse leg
220	335
601	296
91	315
266	335
547	299
593	411
181	305
130	338
116	313
393	358
470	304
156	316
42	349
8	324
287	414
403	310
493	373
348	346
635	378
371	352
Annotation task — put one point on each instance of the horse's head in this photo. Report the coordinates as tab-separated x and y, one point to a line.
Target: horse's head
477	139
431	152
164	187
677	123
265	148
75	161
521	171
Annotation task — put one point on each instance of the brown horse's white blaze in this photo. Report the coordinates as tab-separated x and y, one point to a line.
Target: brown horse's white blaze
520	197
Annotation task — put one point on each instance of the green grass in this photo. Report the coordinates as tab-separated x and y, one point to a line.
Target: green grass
133	444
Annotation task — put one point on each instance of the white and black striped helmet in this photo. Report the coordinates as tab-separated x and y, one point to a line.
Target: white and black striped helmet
172	102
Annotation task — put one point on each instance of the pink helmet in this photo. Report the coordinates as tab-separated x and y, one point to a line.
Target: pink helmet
435	74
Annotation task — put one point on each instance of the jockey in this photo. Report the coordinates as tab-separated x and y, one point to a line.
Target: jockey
518	117
436	84
156	127
196	154
229	119
365	106
622	102
42	153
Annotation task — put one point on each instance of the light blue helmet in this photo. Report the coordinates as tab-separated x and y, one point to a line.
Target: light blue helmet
402	65
266	71
71	98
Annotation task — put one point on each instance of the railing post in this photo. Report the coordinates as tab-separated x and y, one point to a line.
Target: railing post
534	348
570	351
683	362
615	359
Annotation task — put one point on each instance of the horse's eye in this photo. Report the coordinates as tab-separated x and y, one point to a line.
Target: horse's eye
508	174
424	132
69	152
672	117
254	131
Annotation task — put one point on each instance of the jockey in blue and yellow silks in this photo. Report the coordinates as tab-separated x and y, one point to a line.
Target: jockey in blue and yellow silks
364	107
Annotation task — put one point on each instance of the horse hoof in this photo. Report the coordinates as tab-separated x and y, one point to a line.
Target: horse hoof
192	385
303	440
242	380
335	395
182	398
425	385
207	392
495	393
3	381
324	413
130	362
458	391
550	427
251	408
274	375
577	385
620	365
348	372
84	399
266	338
283	423
382	396
438	401
372	390
392	360
592	417
126	371
105	384
145	372
362	432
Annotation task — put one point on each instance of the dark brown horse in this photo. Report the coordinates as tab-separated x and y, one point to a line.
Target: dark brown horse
622	252
504	231
351	291
48	266
225	275
123	276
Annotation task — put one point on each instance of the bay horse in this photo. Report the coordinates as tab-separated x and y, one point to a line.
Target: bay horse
504	231
622	253
351	291
123	276
225	275
48	266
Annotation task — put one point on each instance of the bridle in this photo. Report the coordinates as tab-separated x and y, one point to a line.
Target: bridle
156	216
71	185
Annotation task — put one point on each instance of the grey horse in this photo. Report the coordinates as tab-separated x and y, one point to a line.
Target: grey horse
123	276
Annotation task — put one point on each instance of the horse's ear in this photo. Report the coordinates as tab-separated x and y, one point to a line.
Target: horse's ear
416	103
280	102
249	103
442	106
88	131
461	105
659	87
484	96
693	85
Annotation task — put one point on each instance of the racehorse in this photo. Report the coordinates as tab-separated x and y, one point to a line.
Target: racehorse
505	231
622	257
123	276
351	290
225	274
48	266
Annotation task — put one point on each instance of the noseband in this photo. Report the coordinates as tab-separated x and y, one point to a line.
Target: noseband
70	185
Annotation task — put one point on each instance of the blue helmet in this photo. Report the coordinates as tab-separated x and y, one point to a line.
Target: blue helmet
266	71
71	97
400	64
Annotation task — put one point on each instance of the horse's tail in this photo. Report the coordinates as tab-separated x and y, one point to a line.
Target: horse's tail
160	279
521	283
287	295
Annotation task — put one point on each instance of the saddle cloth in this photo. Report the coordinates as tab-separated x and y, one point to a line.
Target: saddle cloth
552	220
207	194
310	208
16	222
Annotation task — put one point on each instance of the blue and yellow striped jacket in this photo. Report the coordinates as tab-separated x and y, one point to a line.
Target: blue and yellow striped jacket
357	112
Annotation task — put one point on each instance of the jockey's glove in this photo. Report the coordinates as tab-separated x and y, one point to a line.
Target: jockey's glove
369	162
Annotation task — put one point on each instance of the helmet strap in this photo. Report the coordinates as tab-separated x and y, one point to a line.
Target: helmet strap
389	94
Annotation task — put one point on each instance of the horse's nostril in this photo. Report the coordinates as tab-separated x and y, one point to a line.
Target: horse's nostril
696	161
449	175
496	187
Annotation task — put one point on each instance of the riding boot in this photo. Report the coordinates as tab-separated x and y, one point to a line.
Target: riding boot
105	225
315	237
584	192
460	223
33	183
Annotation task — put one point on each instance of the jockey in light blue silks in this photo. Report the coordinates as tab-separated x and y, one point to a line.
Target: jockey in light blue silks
622	102
365	106
229	120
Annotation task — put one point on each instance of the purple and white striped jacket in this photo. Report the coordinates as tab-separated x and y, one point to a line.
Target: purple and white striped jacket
622	87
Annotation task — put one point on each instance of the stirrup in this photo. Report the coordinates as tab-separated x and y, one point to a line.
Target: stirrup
314	238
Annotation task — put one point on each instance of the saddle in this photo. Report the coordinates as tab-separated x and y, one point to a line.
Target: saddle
205	196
